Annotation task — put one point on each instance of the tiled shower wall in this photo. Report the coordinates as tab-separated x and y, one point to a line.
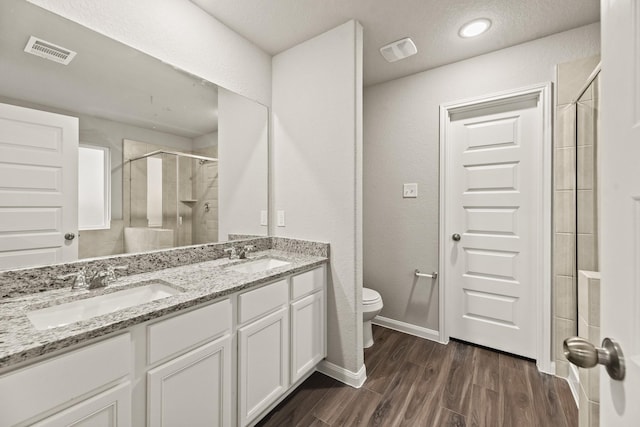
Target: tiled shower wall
571	78
205	187
587	256
589	329
197	185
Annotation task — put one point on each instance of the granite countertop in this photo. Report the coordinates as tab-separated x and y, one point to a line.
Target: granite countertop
201	282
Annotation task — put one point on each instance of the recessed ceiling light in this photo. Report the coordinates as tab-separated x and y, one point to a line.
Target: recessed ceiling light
399	50
474	28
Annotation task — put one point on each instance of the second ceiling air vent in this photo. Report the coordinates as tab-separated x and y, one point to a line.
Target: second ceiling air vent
398	50
50	51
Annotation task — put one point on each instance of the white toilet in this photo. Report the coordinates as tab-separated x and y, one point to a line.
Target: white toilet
371	307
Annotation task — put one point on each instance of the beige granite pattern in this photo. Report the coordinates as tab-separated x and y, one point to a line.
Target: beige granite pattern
201	282
290	245
303	246
40	279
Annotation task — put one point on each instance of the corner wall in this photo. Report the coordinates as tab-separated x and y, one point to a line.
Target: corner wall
317	169
401	134
179	33
243	168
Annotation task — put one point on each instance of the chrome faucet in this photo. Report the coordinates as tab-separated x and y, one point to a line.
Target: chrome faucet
103	278
239	254
99	279
233	254
111	276
244	251
79	279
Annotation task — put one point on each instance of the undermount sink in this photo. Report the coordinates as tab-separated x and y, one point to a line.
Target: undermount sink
258	265
83	309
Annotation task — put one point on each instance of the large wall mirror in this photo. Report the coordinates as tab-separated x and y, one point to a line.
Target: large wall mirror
165	159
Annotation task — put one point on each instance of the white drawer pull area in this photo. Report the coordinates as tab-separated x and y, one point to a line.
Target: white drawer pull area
171	336
307	283
262	300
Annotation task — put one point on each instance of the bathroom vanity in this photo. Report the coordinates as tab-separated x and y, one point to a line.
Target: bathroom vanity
235	338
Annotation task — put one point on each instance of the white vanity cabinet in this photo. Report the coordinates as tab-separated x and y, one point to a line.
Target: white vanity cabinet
308	322
223	363
263	348
69	389
194	388
281	338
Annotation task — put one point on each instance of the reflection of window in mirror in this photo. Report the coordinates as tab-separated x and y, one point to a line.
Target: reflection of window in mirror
94	187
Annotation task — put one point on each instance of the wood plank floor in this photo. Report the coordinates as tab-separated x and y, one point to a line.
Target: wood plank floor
416	382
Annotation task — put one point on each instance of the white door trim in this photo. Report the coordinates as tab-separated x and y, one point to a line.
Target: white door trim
544	197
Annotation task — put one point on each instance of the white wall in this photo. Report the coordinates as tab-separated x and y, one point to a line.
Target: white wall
317	160
206	141
401	131
243	176
179	33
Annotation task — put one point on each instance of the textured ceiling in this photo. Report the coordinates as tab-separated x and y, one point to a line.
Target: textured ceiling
276	25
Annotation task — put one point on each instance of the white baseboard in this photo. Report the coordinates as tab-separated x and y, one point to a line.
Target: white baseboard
574	383
407	328
353	379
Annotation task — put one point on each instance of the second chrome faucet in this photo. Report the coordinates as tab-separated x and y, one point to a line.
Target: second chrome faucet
99	279
241	253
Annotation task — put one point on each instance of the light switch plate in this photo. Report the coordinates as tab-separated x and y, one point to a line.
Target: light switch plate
281	219
410	190
264	218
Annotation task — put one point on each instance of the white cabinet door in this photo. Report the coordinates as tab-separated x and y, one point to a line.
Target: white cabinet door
193	389
109	409
263	350
307	334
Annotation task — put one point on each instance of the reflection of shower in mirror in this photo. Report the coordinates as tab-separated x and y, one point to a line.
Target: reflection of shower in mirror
185	190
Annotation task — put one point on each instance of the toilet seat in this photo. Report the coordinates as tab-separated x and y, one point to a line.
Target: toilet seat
370	297
371	307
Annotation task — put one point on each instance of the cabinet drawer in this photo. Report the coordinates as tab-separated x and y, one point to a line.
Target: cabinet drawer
307	283
28	392
262	301
184	331
110	408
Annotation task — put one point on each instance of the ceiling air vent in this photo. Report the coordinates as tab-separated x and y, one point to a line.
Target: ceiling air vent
50	51
398	50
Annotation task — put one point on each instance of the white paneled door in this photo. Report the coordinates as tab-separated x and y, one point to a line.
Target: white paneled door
38	187
619	205
492	221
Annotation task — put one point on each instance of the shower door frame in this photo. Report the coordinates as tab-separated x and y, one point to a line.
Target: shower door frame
542	294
